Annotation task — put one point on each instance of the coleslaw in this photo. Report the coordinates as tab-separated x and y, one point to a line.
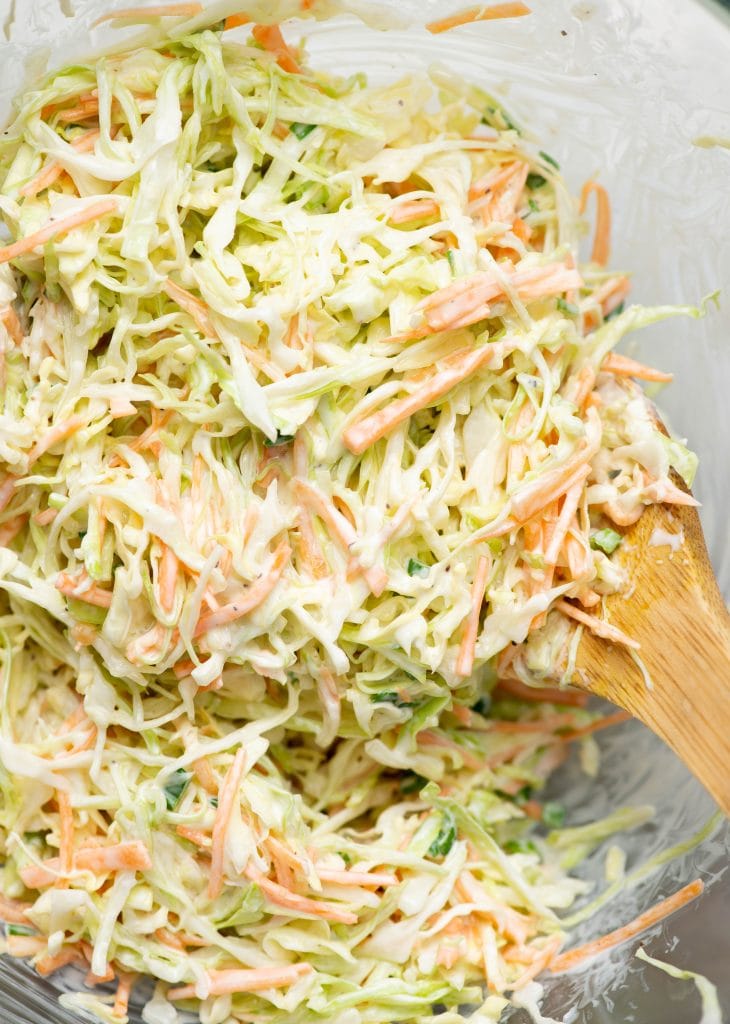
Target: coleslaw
315	454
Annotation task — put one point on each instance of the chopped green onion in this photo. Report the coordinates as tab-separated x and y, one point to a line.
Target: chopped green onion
615	312
416	568
175	787
553	814
445	838
520	846
550	159
569	308
535	180
301	130
390	697
605	540
533	205
279	440
19	929
412	783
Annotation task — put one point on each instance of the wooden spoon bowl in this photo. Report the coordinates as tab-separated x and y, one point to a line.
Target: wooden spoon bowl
675	611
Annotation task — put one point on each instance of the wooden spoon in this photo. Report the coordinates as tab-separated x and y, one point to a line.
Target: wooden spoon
676	612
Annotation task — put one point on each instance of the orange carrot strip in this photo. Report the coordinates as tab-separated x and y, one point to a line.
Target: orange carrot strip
343	530
13	911
167	577
473	14
541	961
597	626
310	549
76	587
170	939
622	366
66	831
574	957
50	964
282	897
270	37
602	240
361	435
164	11
206	776
228	793
368	880
10	320
53	171
551	694
603	723
124	990
54	228
549	724
465	660
194	307
414	209
565	518
58	432
235	20
195	836
129	856
10	530
119	407
668	493
255	980
529	499
434	739
251	598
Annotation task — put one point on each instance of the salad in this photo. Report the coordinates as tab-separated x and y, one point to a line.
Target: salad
315	454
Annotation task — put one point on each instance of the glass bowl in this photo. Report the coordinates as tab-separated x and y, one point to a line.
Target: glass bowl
637	92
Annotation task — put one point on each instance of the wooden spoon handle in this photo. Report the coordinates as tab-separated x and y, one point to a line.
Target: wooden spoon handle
677	614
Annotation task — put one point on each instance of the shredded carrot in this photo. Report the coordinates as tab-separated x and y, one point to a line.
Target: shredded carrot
168	573
10	530
120	407
227	795
58	432
66	831
12	325
465	660
414	209
361	435
50	964
54	228
552	694
622	366
271	39
602	240
617	718
235	21
251	598
13	911
575	957
565	518
254	980
129	856
428	738
282	897
195	836
473	14
343	530
53	171
197	309
79	588
170	939
310	549
164	11
124	990
206	776
597	626
540	962
668	493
